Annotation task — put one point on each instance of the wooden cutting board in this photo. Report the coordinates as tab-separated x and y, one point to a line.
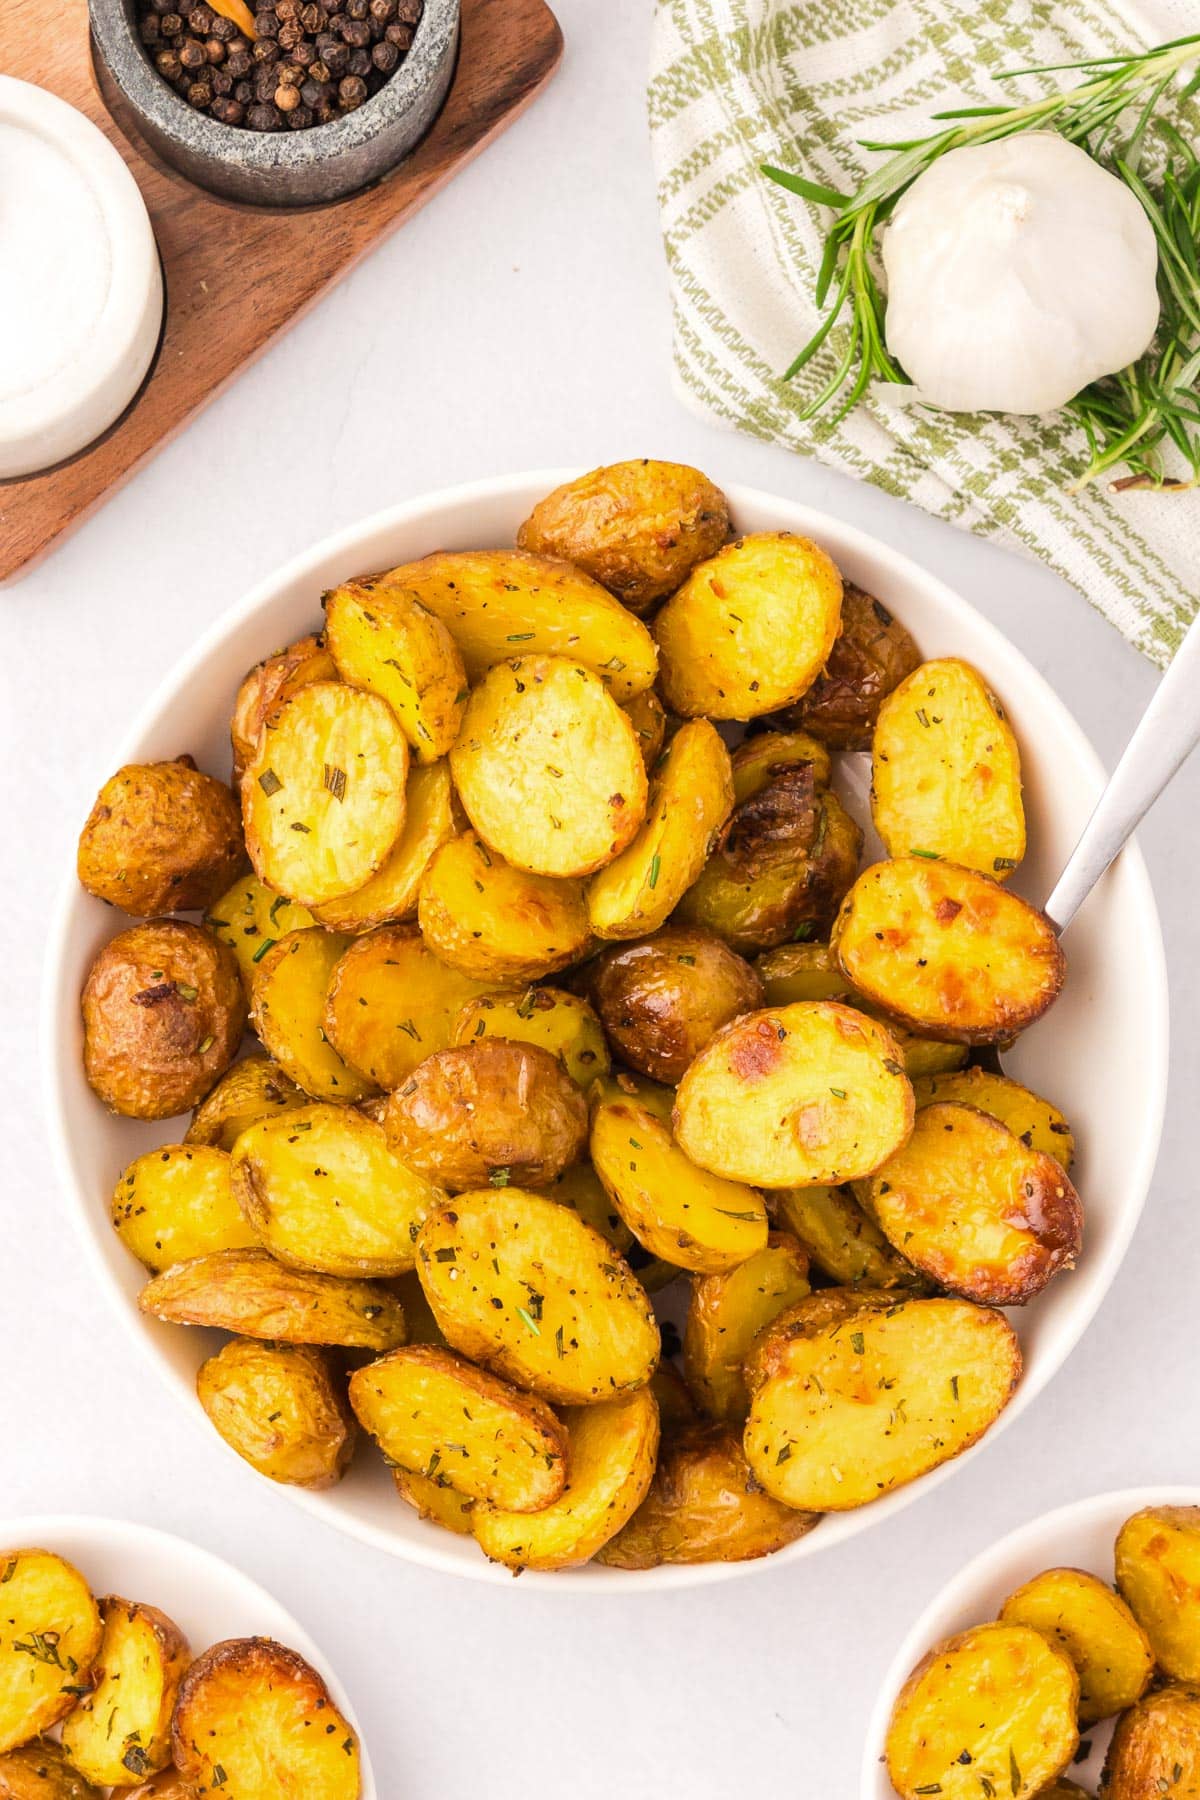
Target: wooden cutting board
237	276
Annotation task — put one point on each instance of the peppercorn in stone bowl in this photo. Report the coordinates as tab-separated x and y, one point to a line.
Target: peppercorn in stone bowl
294	104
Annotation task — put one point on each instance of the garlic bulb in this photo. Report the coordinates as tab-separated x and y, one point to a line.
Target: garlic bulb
1017	272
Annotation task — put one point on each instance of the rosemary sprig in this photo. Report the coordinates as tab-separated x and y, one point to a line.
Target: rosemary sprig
1128	418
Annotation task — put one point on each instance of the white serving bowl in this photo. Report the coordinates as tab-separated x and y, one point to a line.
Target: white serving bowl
1100	1054
208	1599
1079	1536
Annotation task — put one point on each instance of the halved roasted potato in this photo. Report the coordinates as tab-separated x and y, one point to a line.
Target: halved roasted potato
871	655
663	998
726	1314
255	1088
391	893
249	1293
676	1407
50	1631
759	759
251	918
40	1771
282	1408
1155	1749
1038	1124
561	1023
177	1202
842	1240
495	922
1158	1573
121	1729
809	971
161	838
443	1506
645	713
382	639
580	1188
268	684
288	1011
389	1003
1082	1617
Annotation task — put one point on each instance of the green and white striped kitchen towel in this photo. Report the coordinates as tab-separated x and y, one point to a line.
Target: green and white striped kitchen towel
735	83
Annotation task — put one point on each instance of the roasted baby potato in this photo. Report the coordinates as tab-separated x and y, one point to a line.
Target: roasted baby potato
254	1089
435	1413
177	1202
1155	1749
490	1111
548	768
947	951
855	1394
645	713
383	640
1158	1573
638	528
703	1506
610	1460
808	971
750	629
289	1013
946	771
759	759
281	1408
392	891
323	799
50	1631
1039	1125
163	1015
1095	1629
251	919
443	1506
561	1023
871	655
390	1002
676	1407
726	1314
972	1207
40	1771
795	1096
1062	1789
121	1729
249	1293
519	1283
161	838
663	998
995	1704
495	922
323	1191
841	1240
691	797
256	1722
267	686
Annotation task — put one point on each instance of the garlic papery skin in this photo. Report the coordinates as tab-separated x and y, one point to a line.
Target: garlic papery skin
1017	272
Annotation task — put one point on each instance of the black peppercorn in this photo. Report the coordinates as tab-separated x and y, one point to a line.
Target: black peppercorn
200	95
168	64
171	24
243	93
304	55
266	50
263	117
360	63
314	18
239	63
408	12
314	93
400	35
383	10
300	118
352	91
214	50
267	23
356	9
227	112
335	55
148	29
221	80
385	57
223	29
201	18
356	33
191	54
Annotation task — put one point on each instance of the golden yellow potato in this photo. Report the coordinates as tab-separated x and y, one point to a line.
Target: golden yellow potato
443	1506
562	1024
251	919
726	1314
249	1293
946	771
750	629
434	1413
636	527
258	1721
580	1188
390	1003
121	1730
177	1202
1158	1573
663	998
548	768
381	639
170	1785
288	1011
998	1693
1093	1627
323	799
253	1089
495	922
163	1016
704	1506
1038	1124
1155	1749
40	1771
50	1631
391	893
520	1284
610	1460
323	1191
809	971
794	1096
645	713
844	1409
268	685
841	1239
161	838
282	1408
871	655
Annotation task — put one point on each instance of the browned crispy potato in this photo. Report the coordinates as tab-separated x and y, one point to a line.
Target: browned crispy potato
826	1432
251	919
871	655
971	1206
993	1705
704	1505
392	891
1062	1789
548	768
488	1110
161	838
383	640
257	1721
663	998
794	1096
289	1013
481	915
1158	1572
323	1191
177	1202
249	1293
420	1326
40	1771
636	527
1155	1749
435	1413
726	1314
50	1632
841	1239
323	799
170	1785
121	1729
561	1023
808	971
691	797
443	1506
645	713
946	771
519	1283
759	759
610	1461
163	1015
1039	1125
676	1407
1093	1627
281	1408
390	1002
268	685
947	951
253	1089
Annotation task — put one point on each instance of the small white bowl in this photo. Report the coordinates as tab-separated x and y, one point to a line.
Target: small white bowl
208	1599
1079	1536
1100	1053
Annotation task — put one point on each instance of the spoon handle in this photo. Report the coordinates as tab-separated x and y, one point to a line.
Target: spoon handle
1168	731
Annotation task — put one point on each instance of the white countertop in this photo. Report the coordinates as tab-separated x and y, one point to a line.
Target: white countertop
521	321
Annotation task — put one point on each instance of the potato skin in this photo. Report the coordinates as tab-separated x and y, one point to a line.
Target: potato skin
290	1011
662	998
725	1315
40	1771
251	918
268	684
382	640
1038	1124
248	1292
255	1088
280	1407
871	655
123	1726
841	1238
440	1505
559	1022
42	1593
390	1002
161	838
163	1016
1155	1749
1158	1573
1081	1616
